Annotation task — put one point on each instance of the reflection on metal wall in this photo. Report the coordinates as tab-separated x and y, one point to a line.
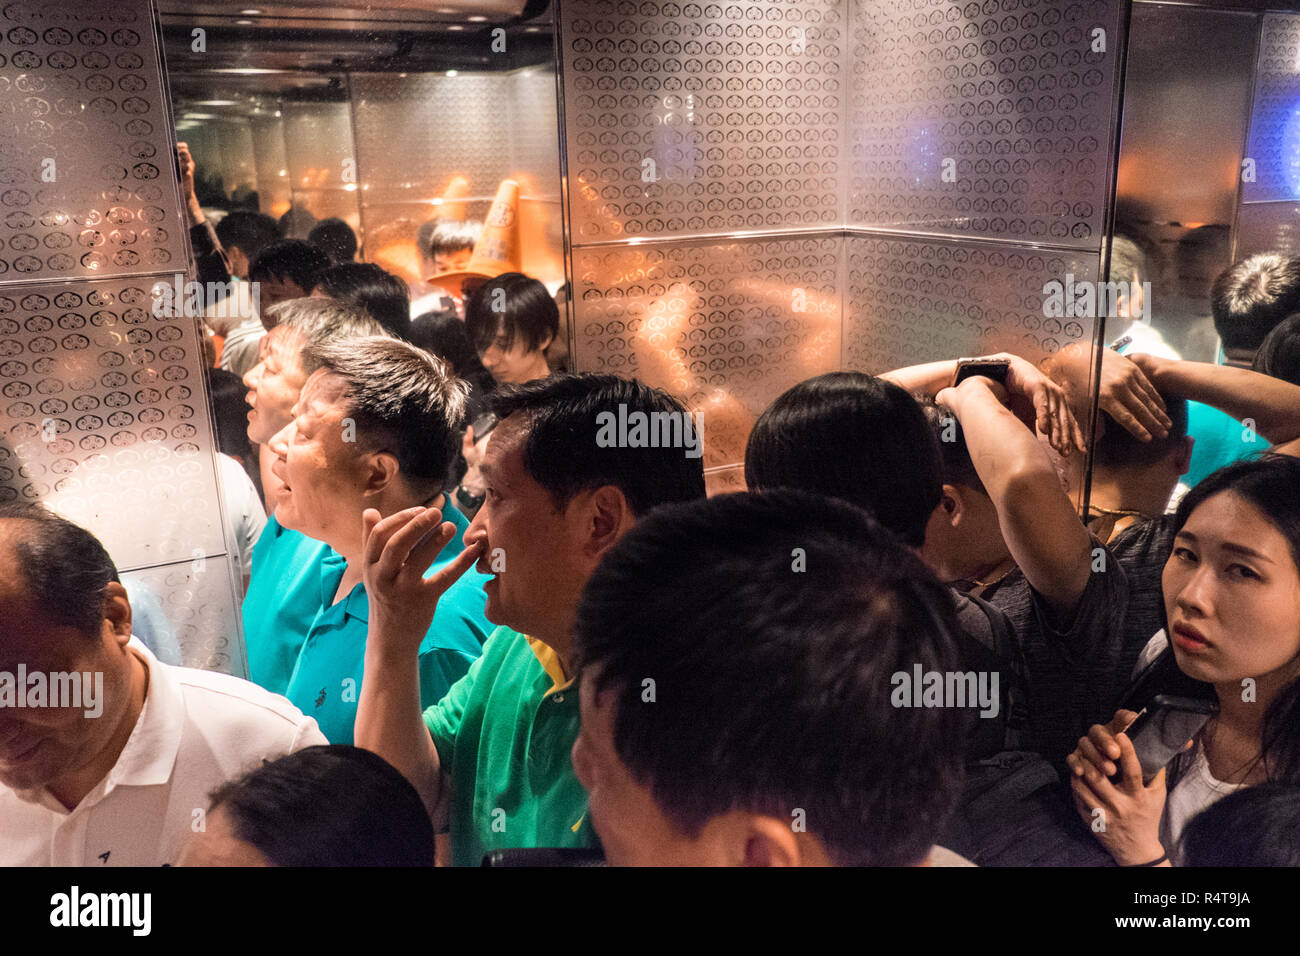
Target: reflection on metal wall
104	413
693	118
1267	219
321	161
752	124
1187	90
415	132
1014	99
1275	126
910	297
724	325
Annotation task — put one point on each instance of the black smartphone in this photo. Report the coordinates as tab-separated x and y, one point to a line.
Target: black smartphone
1163	728
995	369
482	425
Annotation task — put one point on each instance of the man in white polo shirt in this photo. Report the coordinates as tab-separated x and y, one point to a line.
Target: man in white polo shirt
107	755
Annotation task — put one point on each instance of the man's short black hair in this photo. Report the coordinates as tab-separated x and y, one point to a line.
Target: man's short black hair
772	625
1118	448
293	259
561	452
958	469
64	566
249	232
1255	826
329	806
403	400
367	286
1254	295
1279	355
511	305
335	238
851	436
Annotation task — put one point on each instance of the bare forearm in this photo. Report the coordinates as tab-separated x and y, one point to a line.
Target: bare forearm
930	378
1038	521
1272	404
390	723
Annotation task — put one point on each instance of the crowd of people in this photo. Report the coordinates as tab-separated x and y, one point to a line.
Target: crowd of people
478	631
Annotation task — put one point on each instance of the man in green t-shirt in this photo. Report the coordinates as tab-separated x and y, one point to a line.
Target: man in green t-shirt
575	461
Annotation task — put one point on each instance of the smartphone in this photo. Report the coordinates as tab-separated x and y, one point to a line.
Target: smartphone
482	425
1163	728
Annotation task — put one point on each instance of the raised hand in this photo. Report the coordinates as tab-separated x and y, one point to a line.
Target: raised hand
396	553
1052	416
1125	814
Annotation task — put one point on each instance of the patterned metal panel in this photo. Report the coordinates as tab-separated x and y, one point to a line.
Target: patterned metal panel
453	124
912	301
725	481
86	181
1274	143
192	613
689	118
103	408
1005	96
726	326
103	403
1268	227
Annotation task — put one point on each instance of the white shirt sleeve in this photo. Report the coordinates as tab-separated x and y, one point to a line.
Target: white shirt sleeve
245	518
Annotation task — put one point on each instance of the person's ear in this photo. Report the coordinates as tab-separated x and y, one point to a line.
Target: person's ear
771	842
546	342
117	613
381	471
607	516
950	502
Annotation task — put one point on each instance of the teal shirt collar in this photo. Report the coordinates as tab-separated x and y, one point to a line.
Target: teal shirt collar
357	604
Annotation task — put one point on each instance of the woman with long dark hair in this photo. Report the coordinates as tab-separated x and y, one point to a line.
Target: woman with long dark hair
1232	606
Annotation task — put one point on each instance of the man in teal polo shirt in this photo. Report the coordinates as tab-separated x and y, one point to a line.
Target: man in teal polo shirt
283	595
491	759
375	426
327	676
282	600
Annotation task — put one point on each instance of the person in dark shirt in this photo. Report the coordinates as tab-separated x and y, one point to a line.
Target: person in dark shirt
1137	460
1016	541
864	440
